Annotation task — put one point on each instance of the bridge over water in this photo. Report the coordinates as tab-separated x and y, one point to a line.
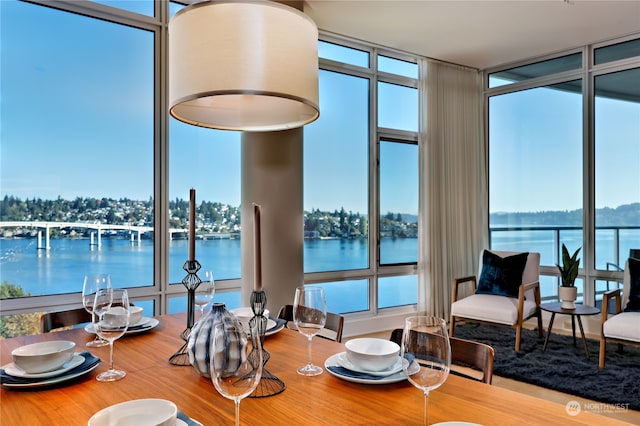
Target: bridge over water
134	230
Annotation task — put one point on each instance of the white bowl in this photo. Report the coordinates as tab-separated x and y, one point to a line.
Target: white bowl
245	314
371	354
43	356
135	314
114	317
139	412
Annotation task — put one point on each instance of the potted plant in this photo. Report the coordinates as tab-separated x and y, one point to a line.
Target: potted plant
567	292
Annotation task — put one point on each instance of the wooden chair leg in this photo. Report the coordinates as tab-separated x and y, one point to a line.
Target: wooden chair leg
539	323
518	336
452	325
603	352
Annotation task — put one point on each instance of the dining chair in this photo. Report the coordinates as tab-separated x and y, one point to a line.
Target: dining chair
623	327
469	359
54	320
493	304
332	329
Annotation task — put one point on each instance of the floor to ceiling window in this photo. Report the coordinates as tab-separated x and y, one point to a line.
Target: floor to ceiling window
77	150
557	128
535	172
95	176
397	182
363	264
616	130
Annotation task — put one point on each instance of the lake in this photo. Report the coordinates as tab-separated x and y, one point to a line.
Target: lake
62	268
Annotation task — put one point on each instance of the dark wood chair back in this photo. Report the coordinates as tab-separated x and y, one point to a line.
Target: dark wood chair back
466	354
332	328
53	320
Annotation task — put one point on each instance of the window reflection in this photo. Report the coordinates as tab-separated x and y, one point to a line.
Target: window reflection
534	70
615	52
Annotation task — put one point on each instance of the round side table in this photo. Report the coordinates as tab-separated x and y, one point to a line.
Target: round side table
556	308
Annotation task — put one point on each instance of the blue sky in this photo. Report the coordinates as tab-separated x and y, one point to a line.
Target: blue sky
536	150
74	128
60	111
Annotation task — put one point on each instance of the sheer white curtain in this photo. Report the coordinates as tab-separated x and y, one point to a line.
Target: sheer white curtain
453	181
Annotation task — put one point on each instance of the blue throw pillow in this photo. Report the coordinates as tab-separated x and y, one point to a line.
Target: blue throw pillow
633	305
501	276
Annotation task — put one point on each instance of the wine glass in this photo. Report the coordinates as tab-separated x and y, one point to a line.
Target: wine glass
112	308
309	316
236	362
426	340
93	283
205	291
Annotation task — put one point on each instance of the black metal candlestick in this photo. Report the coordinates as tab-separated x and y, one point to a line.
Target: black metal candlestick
191	281
269	384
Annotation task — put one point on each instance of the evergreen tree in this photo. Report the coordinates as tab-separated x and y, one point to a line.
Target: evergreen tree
20	324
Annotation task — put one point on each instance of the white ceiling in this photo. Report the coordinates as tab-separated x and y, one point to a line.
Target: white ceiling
480	34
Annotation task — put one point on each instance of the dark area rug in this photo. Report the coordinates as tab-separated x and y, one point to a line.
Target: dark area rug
562	367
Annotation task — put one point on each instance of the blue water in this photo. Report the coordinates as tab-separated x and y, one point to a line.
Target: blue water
545	243
62	268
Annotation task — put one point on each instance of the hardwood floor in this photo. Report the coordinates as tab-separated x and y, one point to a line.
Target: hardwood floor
620	413
625	415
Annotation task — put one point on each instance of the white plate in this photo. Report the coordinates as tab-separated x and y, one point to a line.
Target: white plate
142	321
343	360
270	327
152	323
13	370
149	411
334	360
52	380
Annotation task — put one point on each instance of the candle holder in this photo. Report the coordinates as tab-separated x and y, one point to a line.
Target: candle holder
269	384
191	281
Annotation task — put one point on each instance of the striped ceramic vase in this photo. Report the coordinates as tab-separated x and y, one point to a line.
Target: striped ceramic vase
200	342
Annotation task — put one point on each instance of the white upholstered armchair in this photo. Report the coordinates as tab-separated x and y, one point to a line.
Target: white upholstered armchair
623	326
486	305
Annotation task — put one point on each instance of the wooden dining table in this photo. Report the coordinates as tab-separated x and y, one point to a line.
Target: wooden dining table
320	400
